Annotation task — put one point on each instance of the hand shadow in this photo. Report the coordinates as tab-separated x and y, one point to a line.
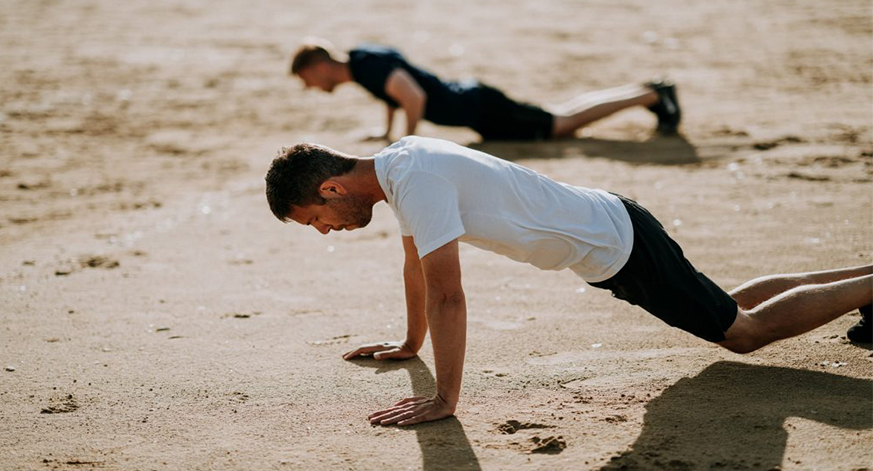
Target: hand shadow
658	150
731	416
444	445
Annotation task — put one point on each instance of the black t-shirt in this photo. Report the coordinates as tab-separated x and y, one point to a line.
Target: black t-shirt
448	103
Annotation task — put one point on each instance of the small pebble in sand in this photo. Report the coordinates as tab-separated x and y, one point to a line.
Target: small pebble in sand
10	368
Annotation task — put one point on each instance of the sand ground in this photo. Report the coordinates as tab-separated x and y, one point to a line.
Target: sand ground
157	316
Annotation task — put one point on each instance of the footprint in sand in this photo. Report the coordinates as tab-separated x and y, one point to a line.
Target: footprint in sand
511	426
68	404
548	445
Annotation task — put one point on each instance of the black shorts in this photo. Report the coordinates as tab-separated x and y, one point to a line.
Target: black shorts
659	279
502	118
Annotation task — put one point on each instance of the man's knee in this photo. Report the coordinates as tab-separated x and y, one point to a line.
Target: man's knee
745	335
742	345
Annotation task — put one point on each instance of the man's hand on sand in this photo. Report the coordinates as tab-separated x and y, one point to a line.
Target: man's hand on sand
382	351
413	410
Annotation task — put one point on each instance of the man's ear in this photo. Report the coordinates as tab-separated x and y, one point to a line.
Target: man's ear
332	189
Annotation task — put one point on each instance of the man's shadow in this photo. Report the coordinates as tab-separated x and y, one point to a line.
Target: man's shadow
731	416
444	445
659	150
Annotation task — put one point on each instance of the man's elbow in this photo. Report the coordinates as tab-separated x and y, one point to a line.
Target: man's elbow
415	105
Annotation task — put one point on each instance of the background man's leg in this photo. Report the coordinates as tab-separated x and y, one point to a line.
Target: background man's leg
796	311
754	292
590	107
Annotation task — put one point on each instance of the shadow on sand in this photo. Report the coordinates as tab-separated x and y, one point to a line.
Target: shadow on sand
659	150
731	416
444	445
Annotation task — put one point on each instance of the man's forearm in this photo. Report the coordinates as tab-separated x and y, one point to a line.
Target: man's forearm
447	319
389	122
416	322
414	113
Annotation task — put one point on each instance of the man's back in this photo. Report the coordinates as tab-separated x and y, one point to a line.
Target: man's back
441	191
448	103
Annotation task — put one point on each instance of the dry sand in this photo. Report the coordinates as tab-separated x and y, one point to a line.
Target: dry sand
156	316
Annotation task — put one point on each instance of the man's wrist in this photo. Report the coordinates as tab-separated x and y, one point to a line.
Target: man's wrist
450	400
412	345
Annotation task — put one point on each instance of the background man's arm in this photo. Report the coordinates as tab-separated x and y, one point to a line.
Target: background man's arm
446	309
405	90
389	122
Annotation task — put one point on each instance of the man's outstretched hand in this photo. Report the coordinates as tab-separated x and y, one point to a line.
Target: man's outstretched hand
382	351
413	410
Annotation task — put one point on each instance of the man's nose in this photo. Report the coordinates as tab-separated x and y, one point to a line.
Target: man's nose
323	228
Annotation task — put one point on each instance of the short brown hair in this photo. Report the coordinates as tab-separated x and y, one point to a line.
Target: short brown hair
298	171
307	55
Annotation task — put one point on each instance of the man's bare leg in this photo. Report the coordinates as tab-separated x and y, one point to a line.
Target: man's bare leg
590	107
754	292
796	311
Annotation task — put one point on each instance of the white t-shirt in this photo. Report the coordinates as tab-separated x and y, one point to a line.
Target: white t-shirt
441	191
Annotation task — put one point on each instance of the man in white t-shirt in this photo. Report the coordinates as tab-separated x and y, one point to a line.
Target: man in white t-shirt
443	193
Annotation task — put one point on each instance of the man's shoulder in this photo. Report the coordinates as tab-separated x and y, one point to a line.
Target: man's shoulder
374	51
408	153
418	146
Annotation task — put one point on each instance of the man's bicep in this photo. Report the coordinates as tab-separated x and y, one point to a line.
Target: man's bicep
403	88
442	269
410	250
428	207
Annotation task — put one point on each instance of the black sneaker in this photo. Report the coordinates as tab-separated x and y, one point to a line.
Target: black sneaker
862	332
667	109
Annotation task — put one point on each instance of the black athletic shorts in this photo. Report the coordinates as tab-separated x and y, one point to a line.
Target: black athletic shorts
659	279
502	118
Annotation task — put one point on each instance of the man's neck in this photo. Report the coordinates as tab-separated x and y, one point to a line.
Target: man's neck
365	173
343	72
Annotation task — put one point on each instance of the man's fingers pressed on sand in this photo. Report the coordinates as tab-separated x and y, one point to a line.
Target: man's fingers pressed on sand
381	418
410	399
394	352
417	419
382	412
371	348
397	417
361	351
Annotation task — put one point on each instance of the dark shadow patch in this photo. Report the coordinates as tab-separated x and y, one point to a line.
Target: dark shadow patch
731	415
659	150
444	444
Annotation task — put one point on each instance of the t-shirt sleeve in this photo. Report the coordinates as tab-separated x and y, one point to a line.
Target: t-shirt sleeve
428	208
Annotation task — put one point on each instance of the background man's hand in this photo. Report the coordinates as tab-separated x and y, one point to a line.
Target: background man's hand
382	351
413	410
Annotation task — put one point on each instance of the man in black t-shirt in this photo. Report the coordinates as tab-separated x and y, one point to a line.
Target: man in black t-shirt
387	75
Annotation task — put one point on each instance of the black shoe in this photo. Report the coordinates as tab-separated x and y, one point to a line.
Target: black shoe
862	332
667	109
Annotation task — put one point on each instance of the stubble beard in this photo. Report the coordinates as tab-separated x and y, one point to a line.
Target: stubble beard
355	210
